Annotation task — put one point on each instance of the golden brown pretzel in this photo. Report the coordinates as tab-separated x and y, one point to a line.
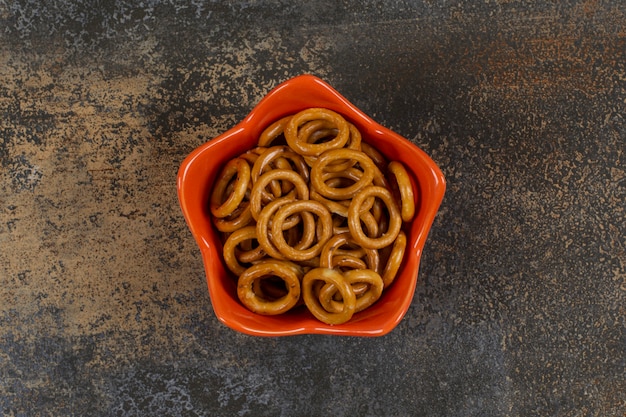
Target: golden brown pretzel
278	157
379	160
249	251
298	206
333	156
395	259
230	246
265	160
273	131
315	130
222	205
336	207
256	195
339	210
298	143
328	276
354	143
262	227
252	154
354	218
344	244
405	188
287	271
241	217
370	292
344	262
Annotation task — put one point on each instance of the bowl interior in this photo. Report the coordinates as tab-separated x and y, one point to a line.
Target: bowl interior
199	170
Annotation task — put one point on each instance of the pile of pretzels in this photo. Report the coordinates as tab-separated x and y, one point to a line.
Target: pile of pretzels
312	216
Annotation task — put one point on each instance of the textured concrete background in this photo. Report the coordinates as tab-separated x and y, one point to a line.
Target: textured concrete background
521	304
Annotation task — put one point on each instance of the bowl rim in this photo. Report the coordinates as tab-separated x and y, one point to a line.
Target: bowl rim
302	90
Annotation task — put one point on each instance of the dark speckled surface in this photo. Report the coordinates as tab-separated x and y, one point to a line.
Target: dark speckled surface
521	305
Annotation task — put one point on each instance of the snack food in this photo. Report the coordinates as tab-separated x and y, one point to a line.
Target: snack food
313	202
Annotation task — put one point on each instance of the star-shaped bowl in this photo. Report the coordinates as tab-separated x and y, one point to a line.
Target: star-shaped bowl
199	170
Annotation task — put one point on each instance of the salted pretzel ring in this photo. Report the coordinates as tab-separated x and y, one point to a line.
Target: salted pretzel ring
340	211
315	130
274	153
262	227
337	180
299	144
273	131
230	246
373	290
287	271
297	241
328	276
332	156
221	205
250	255
379	160
248	251
278	157
354	143
405	189
335	207
291	208
239	218
271	288
252	154
345	261
339	253
395	259
301	187
354	218
334	245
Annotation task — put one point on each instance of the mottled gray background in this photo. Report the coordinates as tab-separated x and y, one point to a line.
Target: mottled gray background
521	303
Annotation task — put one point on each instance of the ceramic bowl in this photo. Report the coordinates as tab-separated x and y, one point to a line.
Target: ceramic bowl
199	170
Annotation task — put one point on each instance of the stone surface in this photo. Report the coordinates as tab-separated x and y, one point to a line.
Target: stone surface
520	308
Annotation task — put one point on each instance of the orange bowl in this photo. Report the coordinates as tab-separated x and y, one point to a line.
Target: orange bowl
199	170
